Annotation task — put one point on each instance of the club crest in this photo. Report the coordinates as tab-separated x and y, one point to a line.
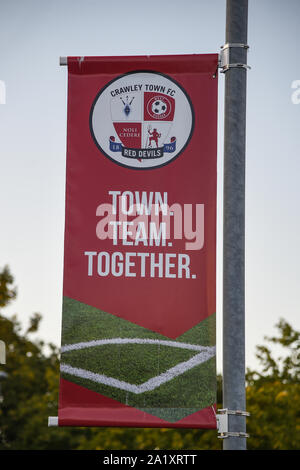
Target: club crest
142	120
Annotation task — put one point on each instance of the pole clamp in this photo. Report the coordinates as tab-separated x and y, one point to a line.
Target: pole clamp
224	57
222	423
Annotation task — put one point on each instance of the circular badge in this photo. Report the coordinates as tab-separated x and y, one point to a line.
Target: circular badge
159	107
142	120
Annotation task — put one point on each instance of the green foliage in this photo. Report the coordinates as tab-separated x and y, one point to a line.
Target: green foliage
285	369
273	394
30	394
6	293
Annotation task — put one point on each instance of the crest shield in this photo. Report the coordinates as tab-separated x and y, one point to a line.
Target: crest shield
142	122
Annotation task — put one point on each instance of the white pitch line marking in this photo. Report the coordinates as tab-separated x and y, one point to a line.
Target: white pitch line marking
102	342
206	353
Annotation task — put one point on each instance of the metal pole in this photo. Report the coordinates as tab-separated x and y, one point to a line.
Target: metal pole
234	224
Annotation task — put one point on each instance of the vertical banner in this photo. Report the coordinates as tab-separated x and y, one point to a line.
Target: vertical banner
139	293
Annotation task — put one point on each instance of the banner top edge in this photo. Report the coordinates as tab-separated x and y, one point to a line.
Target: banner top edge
177	63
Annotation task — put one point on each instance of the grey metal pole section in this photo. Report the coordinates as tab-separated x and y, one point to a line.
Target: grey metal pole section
234	224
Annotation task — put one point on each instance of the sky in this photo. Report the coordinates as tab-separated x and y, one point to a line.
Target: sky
35	33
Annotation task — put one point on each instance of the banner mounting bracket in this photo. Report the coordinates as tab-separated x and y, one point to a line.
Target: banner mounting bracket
222	423
224	57
2	352
52	421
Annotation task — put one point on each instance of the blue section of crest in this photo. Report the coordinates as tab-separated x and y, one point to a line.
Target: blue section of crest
169	148
115	146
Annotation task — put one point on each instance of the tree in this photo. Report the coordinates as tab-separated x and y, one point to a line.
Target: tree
7	294
30	390
273	395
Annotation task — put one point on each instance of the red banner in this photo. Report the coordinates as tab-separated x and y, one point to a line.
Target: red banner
138	323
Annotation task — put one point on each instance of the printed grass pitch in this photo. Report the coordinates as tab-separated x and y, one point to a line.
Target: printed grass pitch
136	366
